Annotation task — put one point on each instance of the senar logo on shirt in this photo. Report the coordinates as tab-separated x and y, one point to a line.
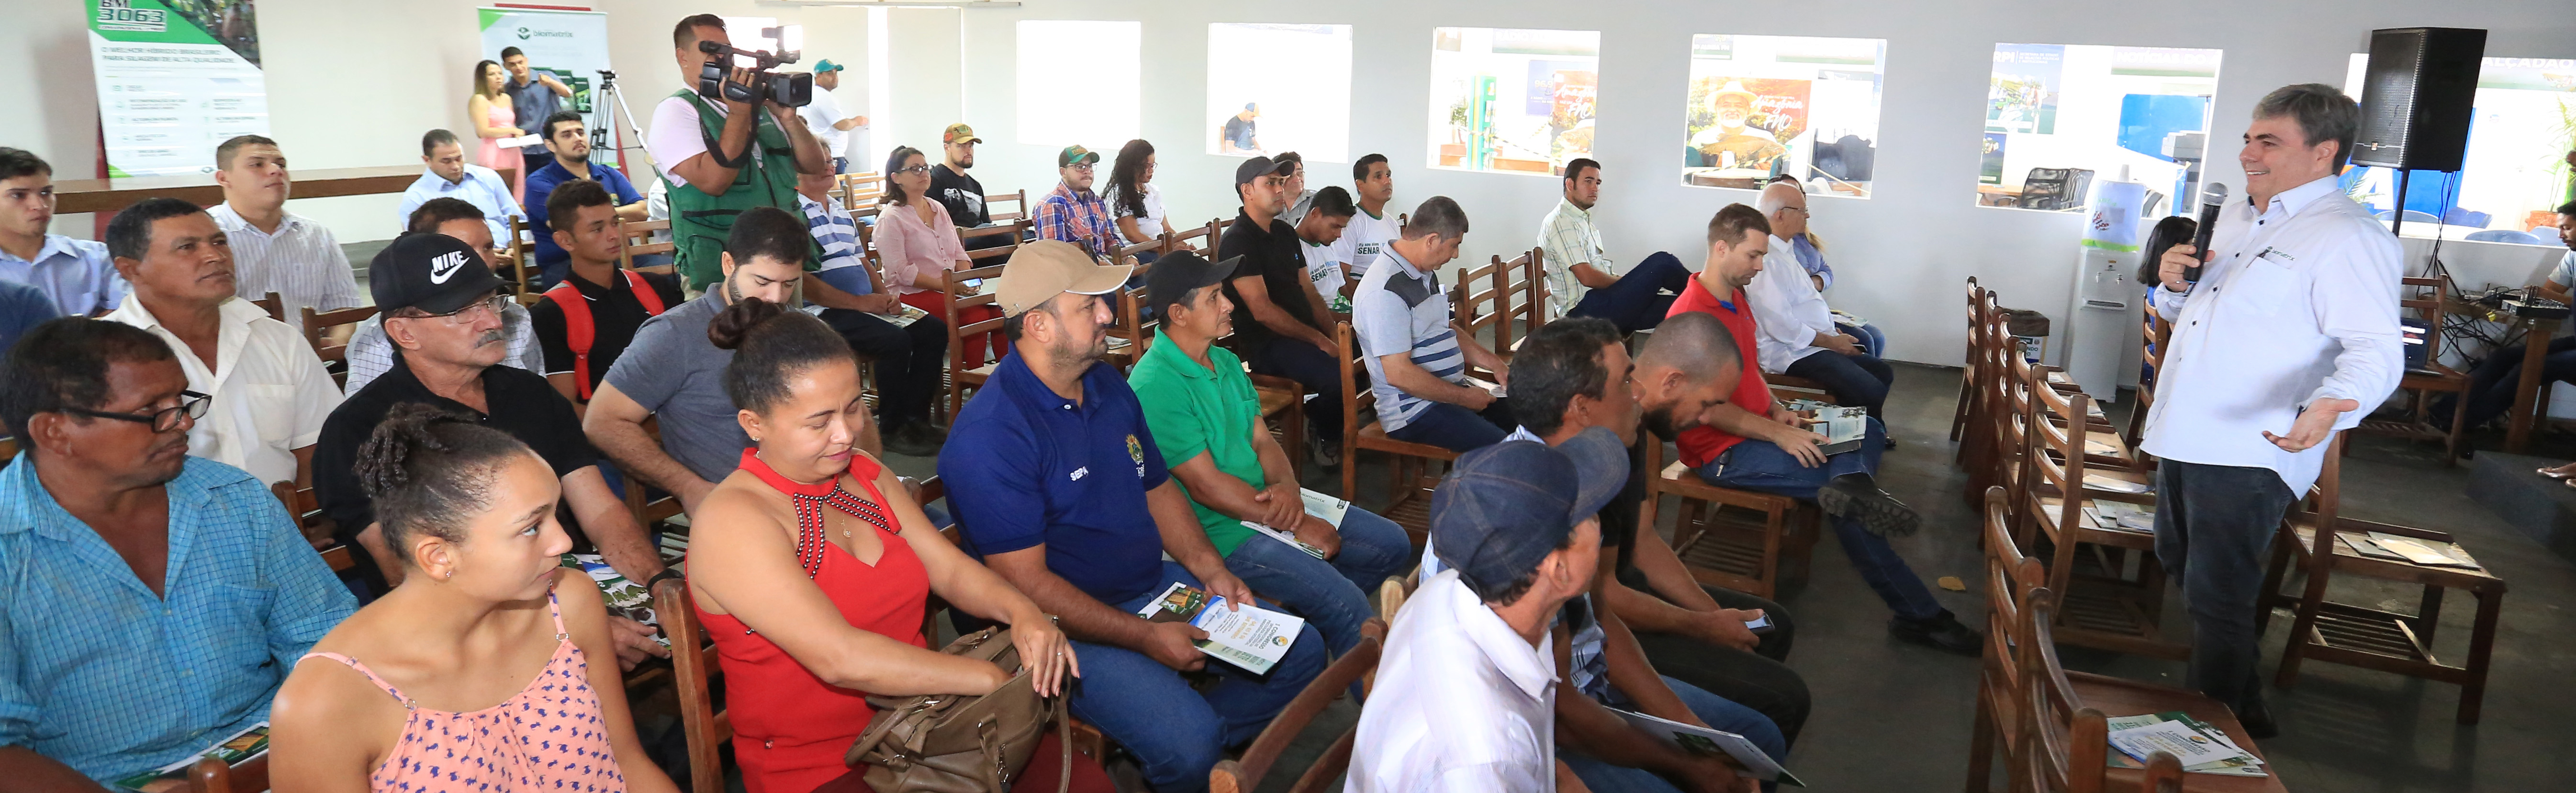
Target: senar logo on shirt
1135	451
445	267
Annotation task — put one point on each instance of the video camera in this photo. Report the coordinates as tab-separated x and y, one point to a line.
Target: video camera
791	90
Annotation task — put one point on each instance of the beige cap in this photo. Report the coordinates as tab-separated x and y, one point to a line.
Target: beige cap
1043	269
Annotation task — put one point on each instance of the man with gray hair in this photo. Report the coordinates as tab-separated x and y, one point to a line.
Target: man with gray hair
1417	358
1799	335
2295	338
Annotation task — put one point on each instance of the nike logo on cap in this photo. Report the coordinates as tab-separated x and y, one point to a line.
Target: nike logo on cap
445	267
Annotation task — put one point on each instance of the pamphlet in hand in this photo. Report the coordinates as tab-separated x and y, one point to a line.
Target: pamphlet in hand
1490	387
1251	637
1707	742
1324	507
239	748
520	142
2202	747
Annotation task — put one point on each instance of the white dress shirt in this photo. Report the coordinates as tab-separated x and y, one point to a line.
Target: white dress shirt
2298	304
302	263
1788	312
270	392
481	187
1463	703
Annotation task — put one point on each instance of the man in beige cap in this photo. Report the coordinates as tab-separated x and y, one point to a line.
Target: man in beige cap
1060	487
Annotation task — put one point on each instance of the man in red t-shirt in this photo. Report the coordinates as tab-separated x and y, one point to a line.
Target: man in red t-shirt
1750	441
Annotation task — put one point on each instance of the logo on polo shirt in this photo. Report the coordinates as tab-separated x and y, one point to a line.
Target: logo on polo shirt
1081	472
1135	451
445	267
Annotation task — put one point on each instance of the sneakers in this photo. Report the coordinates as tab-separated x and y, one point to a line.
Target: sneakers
1857	496
914	439
1325	452
1940	632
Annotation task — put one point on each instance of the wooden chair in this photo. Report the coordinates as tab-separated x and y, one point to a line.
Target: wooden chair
2369	637
274	305
693	667
1476	309
2425	297
1409	475
335	355
1992	444
521	250
638	241
1245	774
2010	577
1177	240
860	189
1018	199
650	512
209	775
2065	743
1129	330
306	510
2101	606
1283	406
1959	414
1010	232
2157	336
961	378
1718	538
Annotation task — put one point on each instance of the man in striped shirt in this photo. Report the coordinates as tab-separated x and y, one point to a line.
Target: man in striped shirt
1415	362
275	250
909	358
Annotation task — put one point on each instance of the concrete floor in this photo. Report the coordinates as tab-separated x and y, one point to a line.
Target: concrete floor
1890	716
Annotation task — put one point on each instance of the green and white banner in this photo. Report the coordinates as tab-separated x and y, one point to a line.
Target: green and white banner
175	78
572	46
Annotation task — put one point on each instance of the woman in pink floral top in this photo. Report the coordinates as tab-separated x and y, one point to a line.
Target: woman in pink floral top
919	246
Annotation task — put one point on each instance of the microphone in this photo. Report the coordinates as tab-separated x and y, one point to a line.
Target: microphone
2212	199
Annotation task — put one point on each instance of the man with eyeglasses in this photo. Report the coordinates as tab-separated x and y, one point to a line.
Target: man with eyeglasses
370	355
269	387
155	599
442	311
1073	213
1582	280
1799	335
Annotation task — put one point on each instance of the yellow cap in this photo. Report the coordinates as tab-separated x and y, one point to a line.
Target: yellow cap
1043	269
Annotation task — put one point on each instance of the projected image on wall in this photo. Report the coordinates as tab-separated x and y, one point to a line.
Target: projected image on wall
2515	172
1766	106
2061	117
1279	88
1078	83
1515	101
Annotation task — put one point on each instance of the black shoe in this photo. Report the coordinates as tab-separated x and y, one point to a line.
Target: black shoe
2258	722
908	440
928	432
1855	495
1942	632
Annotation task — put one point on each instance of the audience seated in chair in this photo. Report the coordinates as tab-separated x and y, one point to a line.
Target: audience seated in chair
917	245
585	322
569	142
1800	337
1135	202
275	250
2492	385
1417	358
76	275
1060	487
1204	414
450	342
266	377
1753	441
1372	186
908	359
1582	279
1810	255
1280	322
1073	212
208	592
1328	266
952	188
440	684
675	372
370	355
812	567
449	176
1575	375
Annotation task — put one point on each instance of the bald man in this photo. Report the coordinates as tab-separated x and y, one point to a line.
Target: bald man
1797	332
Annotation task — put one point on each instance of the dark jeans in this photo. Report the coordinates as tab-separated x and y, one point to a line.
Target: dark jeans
1456	428
2214	526
1312	368
1333	595
908	360
2492	384
1718	713
1178	730
1634	303
1764	466
1872	340
1761	680
1854	379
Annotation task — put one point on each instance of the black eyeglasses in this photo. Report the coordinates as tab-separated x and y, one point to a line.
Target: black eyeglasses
164	420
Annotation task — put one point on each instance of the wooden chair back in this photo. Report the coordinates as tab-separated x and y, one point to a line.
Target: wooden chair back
1965	409
1409	479
962	378
520	257
1476	305
1197	238
1134	250
209	775
1129	329
1019	201
693	666
636	238
1010	232
1246	774
2425	297
274	305
2156	335
2010	577
856	190
317	329
1529	299
306	510
2065	744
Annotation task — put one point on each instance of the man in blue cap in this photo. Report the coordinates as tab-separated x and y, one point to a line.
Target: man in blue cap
824	116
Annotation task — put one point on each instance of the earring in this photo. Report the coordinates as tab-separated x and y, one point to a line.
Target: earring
451	573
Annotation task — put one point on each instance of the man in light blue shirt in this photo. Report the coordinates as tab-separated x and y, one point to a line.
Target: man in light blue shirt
449	176
76	275
22	308
156	599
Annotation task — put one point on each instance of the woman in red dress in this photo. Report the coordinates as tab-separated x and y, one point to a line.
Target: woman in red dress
811	567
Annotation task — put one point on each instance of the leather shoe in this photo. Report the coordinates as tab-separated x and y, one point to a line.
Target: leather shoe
1940	632
2258	722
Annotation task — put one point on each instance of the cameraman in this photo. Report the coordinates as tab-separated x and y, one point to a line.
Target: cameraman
713	169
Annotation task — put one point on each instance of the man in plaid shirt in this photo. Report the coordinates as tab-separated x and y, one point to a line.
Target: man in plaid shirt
1072	212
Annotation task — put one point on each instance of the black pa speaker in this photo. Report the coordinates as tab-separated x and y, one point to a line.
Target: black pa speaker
2415	97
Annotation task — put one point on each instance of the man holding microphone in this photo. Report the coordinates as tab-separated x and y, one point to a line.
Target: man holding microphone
2285	336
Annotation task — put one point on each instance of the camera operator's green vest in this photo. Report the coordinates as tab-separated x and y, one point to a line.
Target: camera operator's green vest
699	222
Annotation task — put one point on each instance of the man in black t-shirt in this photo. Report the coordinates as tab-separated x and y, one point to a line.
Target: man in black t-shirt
1279	321
586	321
960	193
441	311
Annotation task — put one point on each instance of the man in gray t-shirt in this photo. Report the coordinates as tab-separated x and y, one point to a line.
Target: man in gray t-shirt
673	372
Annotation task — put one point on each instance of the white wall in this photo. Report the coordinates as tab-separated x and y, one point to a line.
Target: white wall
1900	256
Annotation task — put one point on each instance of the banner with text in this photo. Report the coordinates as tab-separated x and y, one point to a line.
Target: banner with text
175	78
572	46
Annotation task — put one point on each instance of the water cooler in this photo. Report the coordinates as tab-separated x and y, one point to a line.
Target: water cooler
2103	327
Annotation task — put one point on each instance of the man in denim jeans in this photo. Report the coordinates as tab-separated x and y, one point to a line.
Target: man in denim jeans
1753	442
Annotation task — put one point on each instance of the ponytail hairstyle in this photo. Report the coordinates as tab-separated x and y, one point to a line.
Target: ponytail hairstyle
429	471
771	344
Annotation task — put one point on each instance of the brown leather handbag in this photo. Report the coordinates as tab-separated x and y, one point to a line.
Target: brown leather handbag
947	743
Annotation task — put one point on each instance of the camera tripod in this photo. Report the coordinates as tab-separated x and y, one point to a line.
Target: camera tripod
608	92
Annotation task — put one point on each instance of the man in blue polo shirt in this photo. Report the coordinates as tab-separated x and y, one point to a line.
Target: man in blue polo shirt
569	140
1060	488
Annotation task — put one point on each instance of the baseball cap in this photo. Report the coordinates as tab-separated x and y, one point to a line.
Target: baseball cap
1172	277
959	133
429	271
1043	269
826	65
1075	155
1253	169
1506	506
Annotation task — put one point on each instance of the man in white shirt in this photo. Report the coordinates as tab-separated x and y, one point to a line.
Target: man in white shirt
1582	281
274	250
1797	334
1466	691
2287	336
825	118
450	176
1373	226
1328	218
74	275
270	392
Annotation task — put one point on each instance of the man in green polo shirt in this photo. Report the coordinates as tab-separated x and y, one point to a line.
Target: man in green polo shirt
1206	420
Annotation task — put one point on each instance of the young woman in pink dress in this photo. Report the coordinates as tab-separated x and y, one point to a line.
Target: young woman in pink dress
493	114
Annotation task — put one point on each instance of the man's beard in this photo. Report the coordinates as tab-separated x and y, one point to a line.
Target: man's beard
1659	420
581	158
1067	356
732	292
